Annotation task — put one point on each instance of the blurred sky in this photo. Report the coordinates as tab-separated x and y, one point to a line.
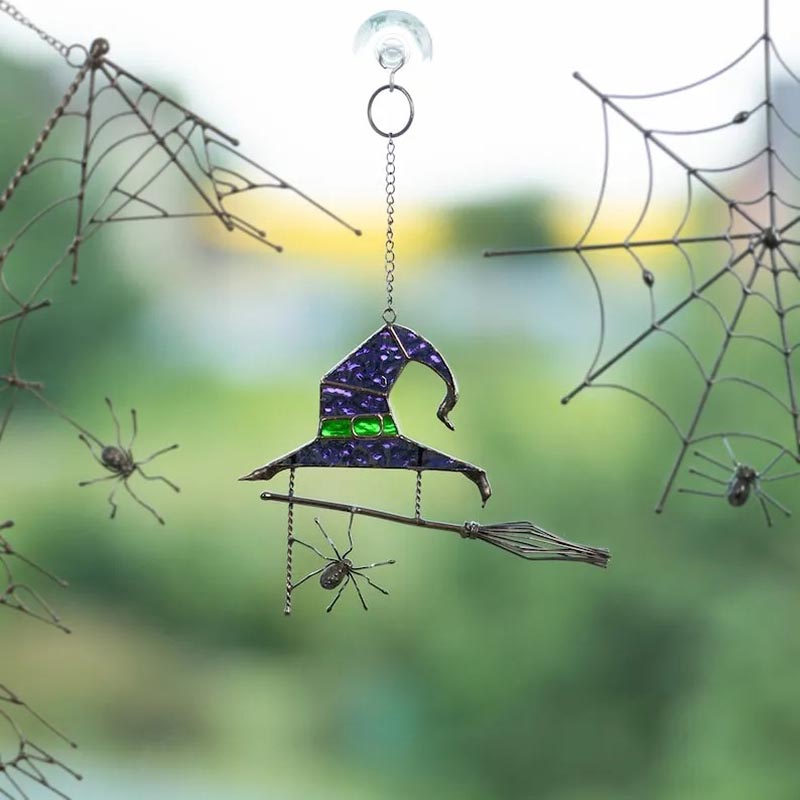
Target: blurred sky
497	108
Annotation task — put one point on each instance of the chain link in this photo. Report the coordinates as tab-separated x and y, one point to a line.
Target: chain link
287	607
18	16
389	315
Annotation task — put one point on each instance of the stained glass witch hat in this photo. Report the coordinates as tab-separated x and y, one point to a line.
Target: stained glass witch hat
356	424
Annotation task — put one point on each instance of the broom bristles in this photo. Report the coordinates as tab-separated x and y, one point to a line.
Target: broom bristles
528	541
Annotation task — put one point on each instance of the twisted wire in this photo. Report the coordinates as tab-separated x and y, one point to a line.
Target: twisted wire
52	120
287	606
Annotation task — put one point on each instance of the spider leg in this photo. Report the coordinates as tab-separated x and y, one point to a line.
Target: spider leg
374	585
772	463
91	450
311	547
338	595
330	541
169	483
157	454
112	503
135	427
694	471
714	461
140	501
9	409
705	494
310	575
358	589
730	451
377	564
772	501
780	477
116	422
765	509
350	535
97	480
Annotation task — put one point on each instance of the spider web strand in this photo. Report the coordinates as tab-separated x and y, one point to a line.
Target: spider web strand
87	139
164	146
787	355
693	84
588	248
655	326
712	377
669	152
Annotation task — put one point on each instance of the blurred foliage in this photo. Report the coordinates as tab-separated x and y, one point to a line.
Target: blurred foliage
670	676
508	222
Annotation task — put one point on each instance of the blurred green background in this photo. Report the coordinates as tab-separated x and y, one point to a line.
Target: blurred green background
672	675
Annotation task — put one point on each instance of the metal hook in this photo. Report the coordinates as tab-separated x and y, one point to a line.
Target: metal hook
392	70
393	73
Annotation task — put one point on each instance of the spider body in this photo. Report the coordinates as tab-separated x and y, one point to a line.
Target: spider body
743	482
119	460
340	571
741	485
332	575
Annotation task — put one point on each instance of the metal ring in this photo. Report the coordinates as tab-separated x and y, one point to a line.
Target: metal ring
68	55
410	110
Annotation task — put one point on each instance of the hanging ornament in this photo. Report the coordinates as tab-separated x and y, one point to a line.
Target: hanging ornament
757	263
357	427
123	144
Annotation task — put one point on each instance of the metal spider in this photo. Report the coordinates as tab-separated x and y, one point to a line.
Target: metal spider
744	481
340	571
120	462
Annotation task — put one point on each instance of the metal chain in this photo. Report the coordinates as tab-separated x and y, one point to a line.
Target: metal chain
18	16
287	608
418	497
389	315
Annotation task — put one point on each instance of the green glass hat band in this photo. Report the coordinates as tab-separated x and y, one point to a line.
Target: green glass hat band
367	426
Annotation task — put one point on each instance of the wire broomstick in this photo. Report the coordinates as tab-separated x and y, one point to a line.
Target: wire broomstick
523	539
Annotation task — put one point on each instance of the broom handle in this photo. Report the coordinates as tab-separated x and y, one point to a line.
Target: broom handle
328	505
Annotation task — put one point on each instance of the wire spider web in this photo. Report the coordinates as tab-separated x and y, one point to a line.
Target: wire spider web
721	286
27	764
116	150
23	762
